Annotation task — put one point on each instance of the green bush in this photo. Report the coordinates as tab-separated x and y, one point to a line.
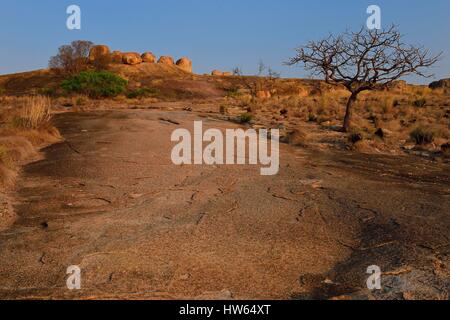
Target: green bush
233	92
142	93
95	84
245	118
420	103
47	91
422	136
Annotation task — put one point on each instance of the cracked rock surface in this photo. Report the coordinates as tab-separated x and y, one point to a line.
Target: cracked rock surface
110	201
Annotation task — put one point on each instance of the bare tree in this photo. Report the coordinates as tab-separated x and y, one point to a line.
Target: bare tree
237	71
363	60
73	58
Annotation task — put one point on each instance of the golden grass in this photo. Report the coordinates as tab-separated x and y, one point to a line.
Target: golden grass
397	112
25	126
36	112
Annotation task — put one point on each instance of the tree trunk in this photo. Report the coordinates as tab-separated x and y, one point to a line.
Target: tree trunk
349	111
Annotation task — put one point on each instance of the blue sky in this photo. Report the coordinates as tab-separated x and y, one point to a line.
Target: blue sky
215	34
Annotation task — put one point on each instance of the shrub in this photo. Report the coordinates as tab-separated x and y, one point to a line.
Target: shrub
422	136
47	91
233	92
2	91
355	137
95	84
312	117
419	103
245	118
142	93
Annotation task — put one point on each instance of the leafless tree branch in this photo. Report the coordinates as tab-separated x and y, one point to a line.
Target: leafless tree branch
364	60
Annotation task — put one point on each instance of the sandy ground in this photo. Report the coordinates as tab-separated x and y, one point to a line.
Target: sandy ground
110	201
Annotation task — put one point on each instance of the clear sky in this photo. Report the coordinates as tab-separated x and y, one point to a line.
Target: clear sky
215	34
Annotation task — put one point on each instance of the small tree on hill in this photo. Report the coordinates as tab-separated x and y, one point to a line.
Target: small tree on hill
363	60
72	59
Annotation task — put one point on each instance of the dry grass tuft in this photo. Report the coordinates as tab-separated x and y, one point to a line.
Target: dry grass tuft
36	112
25	126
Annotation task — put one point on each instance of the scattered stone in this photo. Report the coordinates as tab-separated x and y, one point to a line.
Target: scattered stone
302	92
166	60
148	57
217	73
263	94
98	52
185	64
409	146
131	58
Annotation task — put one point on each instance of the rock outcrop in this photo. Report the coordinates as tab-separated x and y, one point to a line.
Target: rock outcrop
102	54
148	57
217	73
185	64
166	60
444	83
98	52
131	58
